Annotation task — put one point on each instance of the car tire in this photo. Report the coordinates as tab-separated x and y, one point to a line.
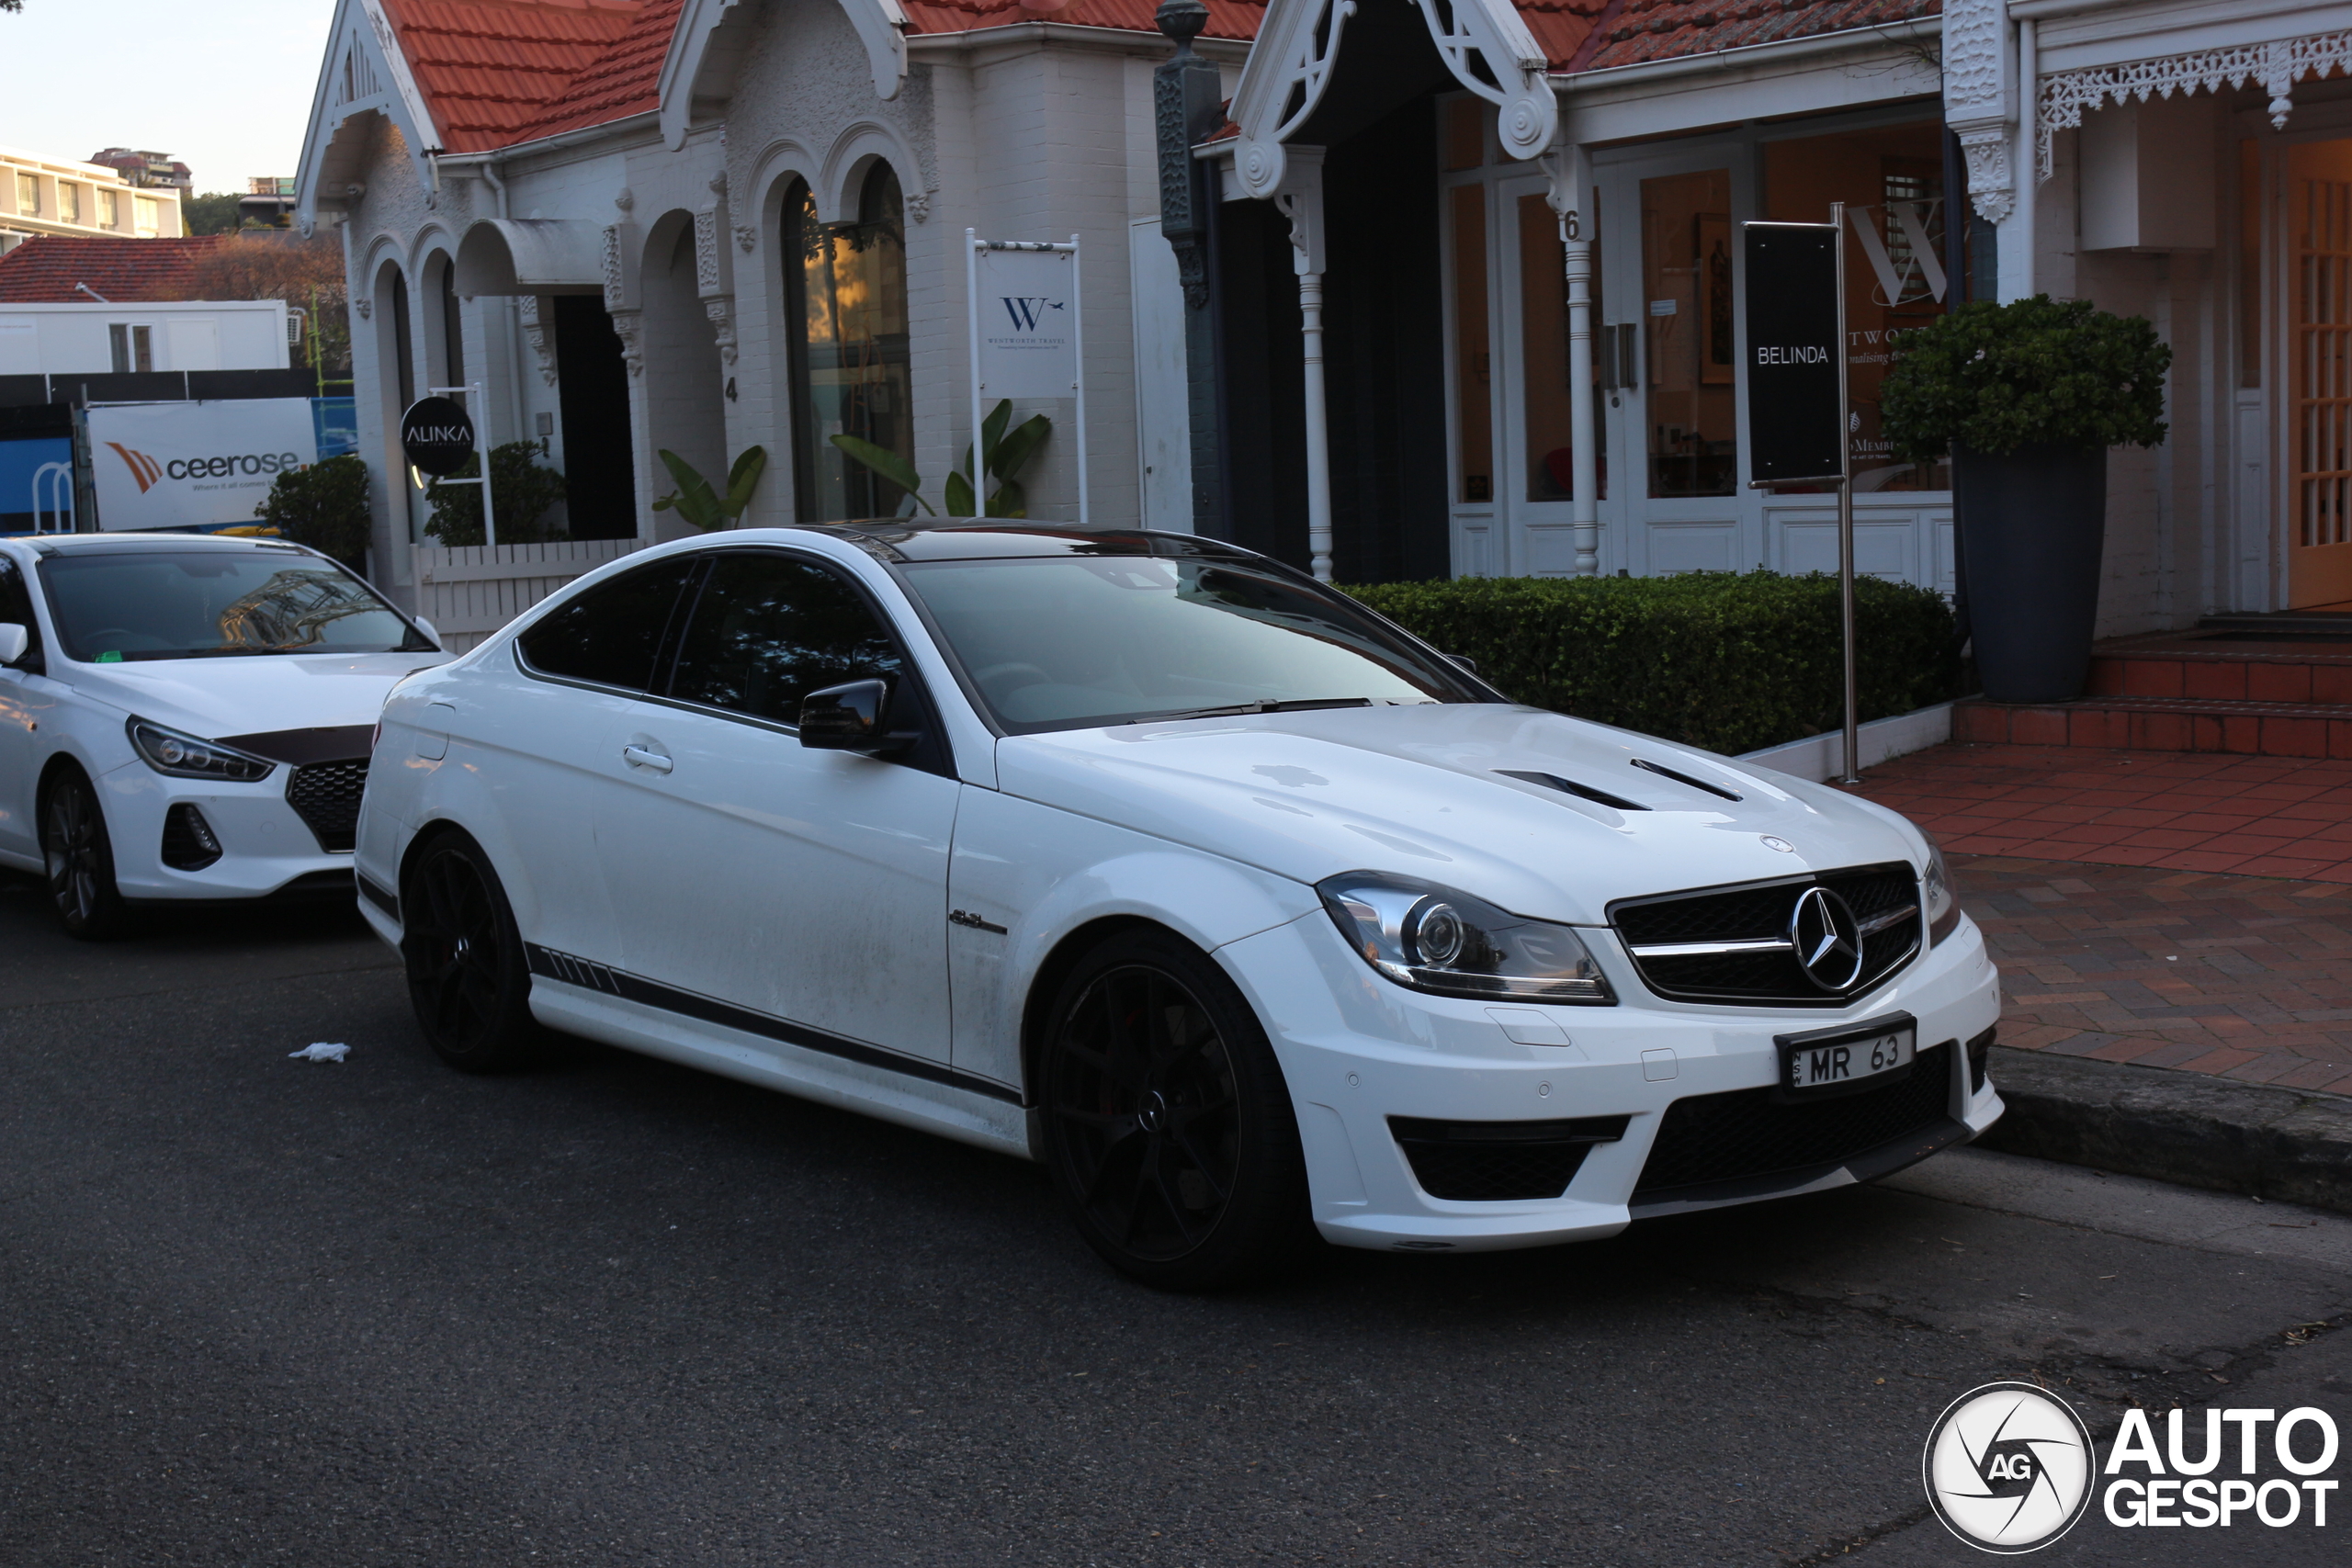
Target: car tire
468	980
79	856
1168	1125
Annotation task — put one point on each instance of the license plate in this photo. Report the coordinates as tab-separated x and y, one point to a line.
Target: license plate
1823	1065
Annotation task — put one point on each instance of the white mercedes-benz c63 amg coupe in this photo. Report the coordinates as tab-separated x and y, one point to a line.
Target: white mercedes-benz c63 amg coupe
187	717
1149	858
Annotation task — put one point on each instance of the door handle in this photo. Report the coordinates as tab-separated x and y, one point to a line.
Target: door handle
644	757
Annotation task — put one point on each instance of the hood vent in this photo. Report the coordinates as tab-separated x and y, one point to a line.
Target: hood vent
1569	786
1648	766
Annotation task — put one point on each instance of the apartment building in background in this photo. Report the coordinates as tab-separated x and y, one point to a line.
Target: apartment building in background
87	201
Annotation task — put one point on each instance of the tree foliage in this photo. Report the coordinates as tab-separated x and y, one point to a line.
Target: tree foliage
278	263
214	212
324	505
521	487
2037	372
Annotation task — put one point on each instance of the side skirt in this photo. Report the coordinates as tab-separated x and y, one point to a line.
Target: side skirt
629	1010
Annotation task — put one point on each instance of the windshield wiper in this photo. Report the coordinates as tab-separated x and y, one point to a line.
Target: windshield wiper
1293	704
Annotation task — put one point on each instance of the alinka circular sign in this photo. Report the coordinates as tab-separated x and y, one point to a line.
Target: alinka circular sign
438	436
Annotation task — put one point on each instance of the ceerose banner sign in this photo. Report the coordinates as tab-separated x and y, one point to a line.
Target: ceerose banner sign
191	465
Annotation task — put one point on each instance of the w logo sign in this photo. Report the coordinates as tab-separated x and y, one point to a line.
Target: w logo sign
1028	310
144	468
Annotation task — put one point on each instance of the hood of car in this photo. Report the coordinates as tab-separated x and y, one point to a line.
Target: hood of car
1507	804
211	698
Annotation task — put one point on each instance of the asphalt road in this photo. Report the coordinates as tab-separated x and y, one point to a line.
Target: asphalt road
255	1310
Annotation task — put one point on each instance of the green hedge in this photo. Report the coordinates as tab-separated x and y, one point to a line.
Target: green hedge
1730	662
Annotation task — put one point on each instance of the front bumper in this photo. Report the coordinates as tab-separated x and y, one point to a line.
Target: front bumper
1358	1051
265	846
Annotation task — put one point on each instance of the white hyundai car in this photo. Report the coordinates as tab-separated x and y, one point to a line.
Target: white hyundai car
187	717
1151	859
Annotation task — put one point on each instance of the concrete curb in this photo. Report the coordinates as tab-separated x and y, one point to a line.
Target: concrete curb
1819	757
2179	1127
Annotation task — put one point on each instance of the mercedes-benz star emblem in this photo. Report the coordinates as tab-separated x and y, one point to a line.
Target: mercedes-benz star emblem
1827	938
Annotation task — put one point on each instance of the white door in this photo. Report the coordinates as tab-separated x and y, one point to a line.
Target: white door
541	732
1669	225
27	710
805	888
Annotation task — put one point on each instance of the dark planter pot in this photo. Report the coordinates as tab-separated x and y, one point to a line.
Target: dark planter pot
2032	523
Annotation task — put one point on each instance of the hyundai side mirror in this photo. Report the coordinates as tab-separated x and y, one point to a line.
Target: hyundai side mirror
432	634
851	718
14	640
1461	662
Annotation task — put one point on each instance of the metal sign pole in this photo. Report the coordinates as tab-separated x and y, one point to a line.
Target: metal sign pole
972	299
1077	341
472	393
1846	511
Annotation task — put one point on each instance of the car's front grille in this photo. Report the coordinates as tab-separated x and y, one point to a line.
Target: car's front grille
1733	944
326	795
1747	1134
1498	1161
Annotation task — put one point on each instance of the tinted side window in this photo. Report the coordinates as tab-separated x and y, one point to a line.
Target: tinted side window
612	634
768	630
17	609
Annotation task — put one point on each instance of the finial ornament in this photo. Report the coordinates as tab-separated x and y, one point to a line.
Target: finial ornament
1182	20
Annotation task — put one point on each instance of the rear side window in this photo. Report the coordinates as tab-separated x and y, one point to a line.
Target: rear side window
612	634
767	631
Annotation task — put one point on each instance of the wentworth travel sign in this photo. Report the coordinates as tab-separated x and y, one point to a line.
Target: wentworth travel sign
438	436
1794	365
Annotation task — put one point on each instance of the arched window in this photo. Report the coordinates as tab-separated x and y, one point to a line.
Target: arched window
845	285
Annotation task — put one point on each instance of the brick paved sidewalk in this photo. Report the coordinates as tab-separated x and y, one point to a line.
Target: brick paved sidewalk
2242	977
2182	810
2173	909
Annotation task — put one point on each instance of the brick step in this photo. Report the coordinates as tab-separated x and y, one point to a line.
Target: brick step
2163	724
2223	672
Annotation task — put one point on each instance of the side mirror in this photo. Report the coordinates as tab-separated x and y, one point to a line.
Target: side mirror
845	718
431	635
14	640
1469	665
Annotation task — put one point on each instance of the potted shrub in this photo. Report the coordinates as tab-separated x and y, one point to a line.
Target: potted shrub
2027	396
324	505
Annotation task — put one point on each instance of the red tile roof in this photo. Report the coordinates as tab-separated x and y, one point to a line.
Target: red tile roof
44	270
498	72
1592	35
1228	18
490	70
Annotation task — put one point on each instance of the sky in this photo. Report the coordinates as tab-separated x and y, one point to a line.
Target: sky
224	87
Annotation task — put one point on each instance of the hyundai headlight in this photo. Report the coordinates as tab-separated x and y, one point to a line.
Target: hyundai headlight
1434	939
1940	896
187	757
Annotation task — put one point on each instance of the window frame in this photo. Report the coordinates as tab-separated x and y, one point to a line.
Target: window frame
665	646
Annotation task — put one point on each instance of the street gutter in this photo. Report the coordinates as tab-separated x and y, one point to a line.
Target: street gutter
2180	1127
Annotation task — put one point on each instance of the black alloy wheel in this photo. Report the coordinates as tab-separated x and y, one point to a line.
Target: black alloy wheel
1168	1124
467	979
80	858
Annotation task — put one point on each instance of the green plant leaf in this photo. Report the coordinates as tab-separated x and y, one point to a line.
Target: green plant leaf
957	496
695	501
992	432
1013	452
1010	501
743	478
886	463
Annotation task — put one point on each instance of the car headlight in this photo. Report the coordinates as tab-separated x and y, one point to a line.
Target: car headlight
187	757
1940	896
1434	939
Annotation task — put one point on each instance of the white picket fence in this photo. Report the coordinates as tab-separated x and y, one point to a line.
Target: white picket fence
470	593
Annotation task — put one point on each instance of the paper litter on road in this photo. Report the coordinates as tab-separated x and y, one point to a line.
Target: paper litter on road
321	1052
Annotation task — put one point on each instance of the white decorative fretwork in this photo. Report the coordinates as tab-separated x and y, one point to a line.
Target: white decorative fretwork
2277	67
1298	45
722	311
707	249
537	333
1490	51
1978	103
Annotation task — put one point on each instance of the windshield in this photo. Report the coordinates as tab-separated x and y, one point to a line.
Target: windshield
116	605
1068	641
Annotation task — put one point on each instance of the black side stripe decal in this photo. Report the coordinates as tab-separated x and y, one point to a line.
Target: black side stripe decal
553	966
380	898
